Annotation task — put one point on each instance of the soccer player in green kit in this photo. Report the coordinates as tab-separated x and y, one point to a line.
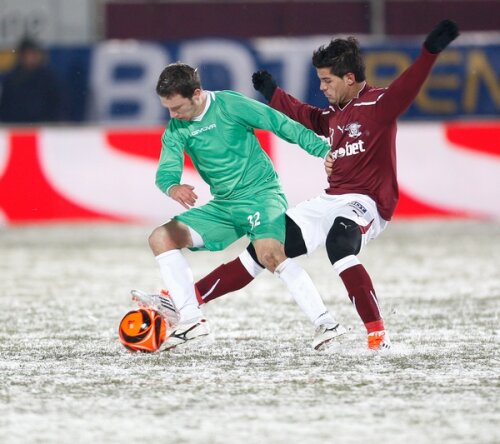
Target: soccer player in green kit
216	129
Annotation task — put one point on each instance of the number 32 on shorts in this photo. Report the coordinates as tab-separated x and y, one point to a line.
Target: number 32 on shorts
254	219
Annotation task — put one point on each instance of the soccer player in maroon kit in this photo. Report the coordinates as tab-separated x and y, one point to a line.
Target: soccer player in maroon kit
363	190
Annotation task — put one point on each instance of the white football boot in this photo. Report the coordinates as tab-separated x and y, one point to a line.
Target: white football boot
186	332
325	333
162	303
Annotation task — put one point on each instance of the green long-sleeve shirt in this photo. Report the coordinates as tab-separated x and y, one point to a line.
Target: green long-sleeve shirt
224	148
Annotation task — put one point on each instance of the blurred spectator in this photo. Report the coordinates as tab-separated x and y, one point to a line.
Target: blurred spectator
31	91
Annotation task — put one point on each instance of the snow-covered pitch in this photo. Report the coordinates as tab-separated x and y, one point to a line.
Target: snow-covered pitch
65	378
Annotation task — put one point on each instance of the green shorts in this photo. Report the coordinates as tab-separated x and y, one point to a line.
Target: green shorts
222	222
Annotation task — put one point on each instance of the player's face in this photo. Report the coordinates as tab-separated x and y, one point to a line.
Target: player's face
335	89
182	108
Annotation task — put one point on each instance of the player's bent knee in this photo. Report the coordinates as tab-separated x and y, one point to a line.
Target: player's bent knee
270	257
270	260
344	239
168	237
157	238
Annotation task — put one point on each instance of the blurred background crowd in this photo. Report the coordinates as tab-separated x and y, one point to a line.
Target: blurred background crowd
96	61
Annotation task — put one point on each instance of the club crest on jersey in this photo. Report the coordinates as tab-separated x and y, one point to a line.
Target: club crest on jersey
353	129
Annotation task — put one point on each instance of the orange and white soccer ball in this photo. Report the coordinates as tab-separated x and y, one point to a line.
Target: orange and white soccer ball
142	330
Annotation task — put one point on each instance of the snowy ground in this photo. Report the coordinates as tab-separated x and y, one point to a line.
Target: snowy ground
65	378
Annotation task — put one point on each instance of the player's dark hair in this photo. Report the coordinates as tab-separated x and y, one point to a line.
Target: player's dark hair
178	78
341	56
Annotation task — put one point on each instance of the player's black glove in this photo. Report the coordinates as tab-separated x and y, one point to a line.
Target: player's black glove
441	36
264	83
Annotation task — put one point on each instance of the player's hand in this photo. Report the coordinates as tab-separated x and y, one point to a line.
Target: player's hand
329	164
264	83
183	194
441	36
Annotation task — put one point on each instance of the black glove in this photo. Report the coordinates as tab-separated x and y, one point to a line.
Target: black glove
441	36
264	83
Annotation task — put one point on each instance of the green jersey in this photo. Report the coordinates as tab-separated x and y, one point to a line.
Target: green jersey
224	149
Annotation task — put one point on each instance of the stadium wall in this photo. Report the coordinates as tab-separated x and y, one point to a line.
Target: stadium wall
76	174
168	20
113	82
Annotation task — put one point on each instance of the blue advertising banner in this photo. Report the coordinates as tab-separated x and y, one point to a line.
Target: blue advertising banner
114	81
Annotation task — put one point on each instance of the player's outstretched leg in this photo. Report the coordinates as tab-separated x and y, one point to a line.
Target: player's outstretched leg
228	278
242	270
343	243
362	295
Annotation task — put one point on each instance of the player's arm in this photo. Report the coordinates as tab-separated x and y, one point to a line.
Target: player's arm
402	91
311	117
254	114
169	172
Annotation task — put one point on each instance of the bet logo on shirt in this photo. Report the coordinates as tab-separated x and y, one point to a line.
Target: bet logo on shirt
350	149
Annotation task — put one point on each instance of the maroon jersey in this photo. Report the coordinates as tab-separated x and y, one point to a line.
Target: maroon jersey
362	134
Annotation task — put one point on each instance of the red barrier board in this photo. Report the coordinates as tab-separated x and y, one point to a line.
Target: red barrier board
95	174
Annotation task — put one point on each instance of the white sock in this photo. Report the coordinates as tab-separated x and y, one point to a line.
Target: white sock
253	268
345	263
178	279
307	297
